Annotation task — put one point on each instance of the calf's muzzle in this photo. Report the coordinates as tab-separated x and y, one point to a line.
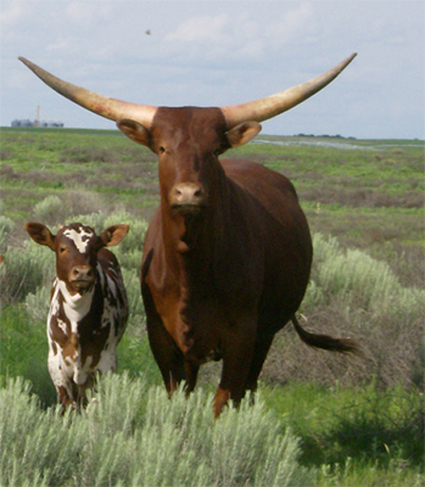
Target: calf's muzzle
82	277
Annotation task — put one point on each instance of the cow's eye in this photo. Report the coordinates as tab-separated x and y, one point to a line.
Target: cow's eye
62	249
161	149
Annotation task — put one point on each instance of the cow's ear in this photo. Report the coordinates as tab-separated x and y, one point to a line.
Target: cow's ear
40	234
135	131
114	234
243	133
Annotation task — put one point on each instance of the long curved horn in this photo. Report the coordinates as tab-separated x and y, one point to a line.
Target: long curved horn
102	105
260	110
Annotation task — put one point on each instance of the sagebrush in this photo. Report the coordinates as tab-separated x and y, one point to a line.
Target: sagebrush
132	434
350	293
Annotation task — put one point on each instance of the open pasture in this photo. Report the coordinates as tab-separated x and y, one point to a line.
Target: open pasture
359	420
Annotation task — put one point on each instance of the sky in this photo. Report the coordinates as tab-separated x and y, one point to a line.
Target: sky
218	53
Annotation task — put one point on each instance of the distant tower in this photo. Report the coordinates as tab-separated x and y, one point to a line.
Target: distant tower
37	118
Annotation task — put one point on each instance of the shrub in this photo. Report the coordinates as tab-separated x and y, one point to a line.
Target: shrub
50	211
353	294
360	281
37	447
134	435
6	226
26	268
37	303
83	202
55	210
135	303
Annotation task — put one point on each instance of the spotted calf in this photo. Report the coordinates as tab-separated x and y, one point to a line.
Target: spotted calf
88	306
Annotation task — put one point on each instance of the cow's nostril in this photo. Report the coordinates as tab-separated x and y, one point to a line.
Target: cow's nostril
185	194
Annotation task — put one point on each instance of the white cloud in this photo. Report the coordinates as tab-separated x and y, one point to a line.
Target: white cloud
13	12
216	52
59	45
244	33
294	23
87	14
78	11
200	29
299	19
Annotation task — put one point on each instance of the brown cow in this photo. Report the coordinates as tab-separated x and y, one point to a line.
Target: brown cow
88	306
228	253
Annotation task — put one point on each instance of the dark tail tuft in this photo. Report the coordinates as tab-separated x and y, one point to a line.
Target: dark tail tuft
326	342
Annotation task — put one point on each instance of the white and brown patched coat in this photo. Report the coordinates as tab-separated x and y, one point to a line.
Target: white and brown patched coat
88	306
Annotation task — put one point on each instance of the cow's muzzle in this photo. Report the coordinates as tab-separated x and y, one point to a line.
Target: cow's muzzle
188	198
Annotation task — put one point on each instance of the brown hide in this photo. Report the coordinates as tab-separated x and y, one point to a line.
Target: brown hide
228	253
88	306
220	281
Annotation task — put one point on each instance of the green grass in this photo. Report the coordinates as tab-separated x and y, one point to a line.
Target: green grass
335	185
23	351
363	423
132	434
58	161
358	421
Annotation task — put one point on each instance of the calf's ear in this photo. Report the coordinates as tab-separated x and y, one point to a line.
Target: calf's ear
40	234
114	234
243	133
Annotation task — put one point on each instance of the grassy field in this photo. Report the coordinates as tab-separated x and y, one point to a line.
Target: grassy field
354	421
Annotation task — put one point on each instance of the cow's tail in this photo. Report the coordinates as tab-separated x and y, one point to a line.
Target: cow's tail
326	342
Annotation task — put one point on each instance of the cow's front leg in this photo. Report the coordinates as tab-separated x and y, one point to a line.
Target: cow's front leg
238	349
166	354
191	369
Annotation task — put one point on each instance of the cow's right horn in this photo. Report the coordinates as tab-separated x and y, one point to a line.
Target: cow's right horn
99	104
265	108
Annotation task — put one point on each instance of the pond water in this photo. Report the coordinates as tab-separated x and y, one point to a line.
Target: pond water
337	144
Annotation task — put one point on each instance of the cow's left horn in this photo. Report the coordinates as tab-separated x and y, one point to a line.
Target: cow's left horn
273	105
99	104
